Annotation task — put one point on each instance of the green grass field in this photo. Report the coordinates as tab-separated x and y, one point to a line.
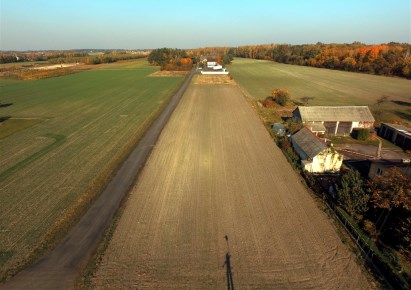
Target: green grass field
65	137
326	87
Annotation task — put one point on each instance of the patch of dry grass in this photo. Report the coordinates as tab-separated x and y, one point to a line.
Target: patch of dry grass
167	73
213	80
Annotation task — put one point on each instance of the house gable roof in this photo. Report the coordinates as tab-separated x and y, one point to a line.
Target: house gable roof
308	142
335	113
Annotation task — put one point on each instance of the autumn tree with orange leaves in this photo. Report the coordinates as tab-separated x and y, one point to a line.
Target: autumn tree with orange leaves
392	59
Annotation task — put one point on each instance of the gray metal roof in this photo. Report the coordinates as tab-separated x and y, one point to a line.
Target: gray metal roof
398	127
316	127
308	142
337	113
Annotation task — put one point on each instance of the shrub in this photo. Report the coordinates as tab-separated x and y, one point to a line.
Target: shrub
268	102
280	96
363	134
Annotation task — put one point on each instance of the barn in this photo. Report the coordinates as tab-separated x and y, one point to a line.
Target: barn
335	120
397	134
315	155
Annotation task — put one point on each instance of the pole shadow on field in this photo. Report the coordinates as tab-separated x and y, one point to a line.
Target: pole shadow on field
227	264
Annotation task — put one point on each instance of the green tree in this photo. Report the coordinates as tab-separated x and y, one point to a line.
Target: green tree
351	194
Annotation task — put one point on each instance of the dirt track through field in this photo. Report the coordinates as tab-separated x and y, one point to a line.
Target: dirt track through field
60	268
215	171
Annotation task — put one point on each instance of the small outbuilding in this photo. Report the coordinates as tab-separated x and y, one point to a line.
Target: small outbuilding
316	156
370	168
397	134
336	120
278	129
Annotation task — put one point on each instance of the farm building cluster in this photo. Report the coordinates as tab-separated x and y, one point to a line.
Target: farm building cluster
319	156
211	67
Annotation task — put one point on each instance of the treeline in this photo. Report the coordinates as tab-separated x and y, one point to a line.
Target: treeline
172	59
392	59
57	57
222	55
96	59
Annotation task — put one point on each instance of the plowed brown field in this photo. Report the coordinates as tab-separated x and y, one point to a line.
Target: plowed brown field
215	171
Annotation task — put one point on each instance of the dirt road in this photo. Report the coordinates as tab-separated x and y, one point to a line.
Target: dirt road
60	268
214	172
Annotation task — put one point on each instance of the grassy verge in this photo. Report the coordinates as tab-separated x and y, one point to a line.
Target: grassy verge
84	281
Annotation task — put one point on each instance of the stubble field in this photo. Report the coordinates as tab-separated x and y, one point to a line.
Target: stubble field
65	137
215	171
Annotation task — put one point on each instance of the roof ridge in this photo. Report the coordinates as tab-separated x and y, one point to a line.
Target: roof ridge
318	138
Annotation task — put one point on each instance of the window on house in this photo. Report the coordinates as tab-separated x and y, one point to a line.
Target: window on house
379	171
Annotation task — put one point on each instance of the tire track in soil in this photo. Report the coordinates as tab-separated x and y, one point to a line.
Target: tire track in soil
215	171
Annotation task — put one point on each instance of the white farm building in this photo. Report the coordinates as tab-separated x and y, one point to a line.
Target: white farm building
334	120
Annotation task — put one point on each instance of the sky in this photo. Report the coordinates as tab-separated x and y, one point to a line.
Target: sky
137	24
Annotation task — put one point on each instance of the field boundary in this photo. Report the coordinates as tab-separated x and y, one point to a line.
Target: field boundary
57	270
370	257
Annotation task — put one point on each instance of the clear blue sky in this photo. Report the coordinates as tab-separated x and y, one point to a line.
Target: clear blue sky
133	24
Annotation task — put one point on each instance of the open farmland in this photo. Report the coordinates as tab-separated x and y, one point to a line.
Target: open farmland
326	87
65	137
215	171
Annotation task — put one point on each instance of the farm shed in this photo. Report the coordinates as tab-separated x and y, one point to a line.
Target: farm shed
316	156
371	168
337	120
377	167
278	129
397	134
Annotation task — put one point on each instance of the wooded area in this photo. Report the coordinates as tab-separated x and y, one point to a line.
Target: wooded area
392	59
170	59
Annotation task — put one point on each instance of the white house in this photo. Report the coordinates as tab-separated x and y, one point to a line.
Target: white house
316	156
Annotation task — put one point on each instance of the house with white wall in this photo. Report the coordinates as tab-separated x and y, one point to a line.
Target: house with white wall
316	156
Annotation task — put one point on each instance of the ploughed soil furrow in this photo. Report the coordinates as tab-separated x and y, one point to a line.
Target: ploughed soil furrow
215	171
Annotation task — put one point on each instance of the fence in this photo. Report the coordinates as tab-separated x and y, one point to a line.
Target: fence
371	258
